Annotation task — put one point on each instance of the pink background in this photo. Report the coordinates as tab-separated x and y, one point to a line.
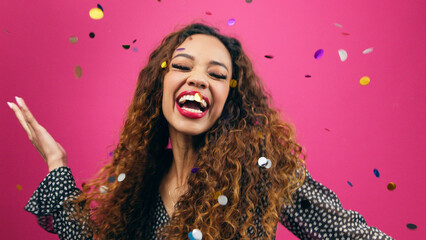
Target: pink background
374	126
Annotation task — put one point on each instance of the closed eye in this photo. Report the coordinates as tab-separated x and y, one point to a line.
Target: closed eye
187	68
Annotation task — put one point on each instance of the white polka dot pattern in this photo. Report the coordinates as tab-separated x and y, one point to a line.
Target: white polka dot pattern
317	214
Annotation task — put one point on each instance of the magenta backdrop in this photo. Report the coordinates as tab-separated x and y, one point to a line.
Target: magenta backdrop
348	129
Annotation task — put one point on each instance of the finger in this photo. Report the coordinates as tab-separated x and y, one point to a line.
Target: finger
28	115
21	119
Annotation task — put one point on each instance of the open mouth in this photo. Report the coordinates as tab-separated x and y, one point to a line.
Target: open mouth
192	101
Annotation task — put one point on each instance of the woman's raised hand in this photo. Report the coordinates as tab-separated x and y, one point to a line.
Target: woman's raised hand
52	152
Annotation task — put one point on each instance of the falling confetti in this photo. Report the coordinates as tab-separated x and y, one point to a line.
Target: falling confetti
327	129
233	83
269	56
364	80
319	53
391	186
73	40
92	35
216	195
194	170
223	200
338	25
164	64
96	13
77	71
307	76
269	164
121	177
249	1
411	226
350	184
134	49
134	41
368	50
19	187
343	54
111	179
197	234
347	34
208	13
103	189
231	22
260	134
180	49
126	46
262	161
376	173
100	7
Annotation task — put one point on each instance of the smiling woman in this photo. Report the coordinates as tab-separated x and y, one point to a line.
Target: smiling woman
234	170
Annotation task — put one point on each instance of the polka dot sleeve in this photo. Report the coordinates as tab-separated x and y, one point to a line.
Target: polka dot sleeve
318	214
47	200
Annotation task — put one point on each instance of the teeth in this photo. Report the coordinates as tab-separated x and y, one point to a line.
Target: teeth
192	110
192	98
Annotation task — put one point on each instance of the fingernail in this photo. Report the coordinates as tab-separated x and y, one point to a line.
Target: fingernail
18	100
10	105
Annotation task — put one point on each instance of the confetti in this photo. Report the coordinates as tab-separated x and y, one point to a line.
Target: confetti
164	64
269	164
223	200
307	76
121	177
134	41
364	80
19	187
337	25
126	46
391	186
262	161
198	97
260	134
180	49
343	54
208	13
197	234
216	195
233	83
350	184
134	49
100	7
368	50
411	226
319	53
73	40
376	172
190	236
231	22
347	34
269	56
249	1
111	179
77	71
96	13
103	189
194	170
92	35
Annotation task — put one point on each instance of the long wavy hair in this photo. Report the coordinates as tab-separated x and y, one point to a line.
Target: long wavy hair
247	129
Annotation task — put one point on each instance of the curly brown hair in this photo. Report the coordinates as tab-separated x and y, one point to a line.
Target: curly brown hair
229	151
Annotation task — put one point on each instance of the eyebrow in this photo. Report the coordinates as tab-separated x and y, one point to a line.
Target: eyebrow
192	58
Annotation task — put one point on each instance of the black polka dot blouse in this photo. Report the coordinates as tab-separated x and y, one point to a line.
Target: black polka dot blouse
317	214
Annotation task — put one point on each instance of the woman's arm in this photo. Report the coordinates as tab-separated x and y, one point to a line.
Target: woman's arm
47	204
318	214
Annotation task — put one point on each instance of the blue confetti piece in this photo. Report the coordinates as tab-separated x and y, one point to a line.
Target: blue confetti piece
376	172
100	7
190	236
350	184
194	170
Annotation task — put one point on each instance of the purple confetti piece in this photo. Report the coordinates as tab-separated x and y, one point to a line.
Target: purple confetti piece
319	53
194	170
231	21
180	49
134	49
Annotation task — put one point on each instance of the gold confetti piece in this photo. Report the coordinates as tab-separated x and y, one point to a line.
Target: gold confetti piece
96	13
19	187
73	40
77	71
364	81
216	195
391	186
259	134
233	83
164	64
198	97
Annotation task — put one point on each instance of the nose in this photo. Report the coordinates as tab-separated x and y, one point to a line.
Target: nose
197	82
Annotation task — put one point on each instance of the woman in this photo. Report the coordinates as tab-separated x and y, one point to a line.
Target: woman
233	172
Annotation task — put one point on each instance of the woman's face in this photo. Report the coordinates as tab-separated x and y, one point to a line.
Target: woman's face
200	70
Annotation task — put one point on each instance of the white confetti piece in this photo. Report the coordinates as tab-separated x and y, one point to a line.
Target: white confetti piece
223	200
343	55
368	50
121	177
